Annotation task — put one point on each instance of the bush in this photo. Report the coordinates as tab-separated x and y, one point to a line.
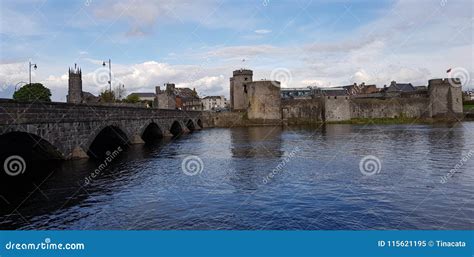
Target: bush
33	92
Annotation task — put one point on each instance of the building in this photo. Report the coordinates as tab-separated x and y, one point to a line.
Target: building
187	99
361	89
399	87
468	96
166	99
89	98
148	97
296	93
264	100
445	97
329	91
214	103
75	86
260	99
238	89
75	93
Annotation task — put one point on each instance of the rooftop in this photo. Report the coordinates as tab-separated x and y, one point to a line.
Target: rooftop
143	94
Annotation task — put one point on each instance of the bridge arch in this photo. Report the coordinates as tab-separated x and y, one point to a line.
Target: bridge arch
27	145
199	123
190	125
151	132
106	140
176	129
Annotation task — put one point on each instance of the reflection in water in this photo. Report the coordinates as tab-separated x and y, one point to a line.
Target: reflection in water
256	142
320	187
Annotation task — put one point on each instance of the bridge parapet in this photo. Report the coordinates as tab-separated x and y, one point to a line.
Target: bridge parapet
72	128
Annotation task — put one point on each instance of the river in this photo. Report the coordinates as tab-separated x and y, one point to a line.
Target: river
292	178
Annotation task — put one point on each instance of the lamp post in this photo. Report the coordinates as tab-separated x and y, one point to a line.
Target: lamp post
16	85
110	74
34	66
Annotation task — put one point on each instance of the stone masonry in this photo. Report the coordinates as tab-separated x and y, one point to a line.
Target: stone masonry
71	128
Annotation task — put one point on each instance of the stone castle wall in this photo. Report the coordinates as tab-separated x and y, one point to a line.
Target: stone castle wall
343	108
374	108
299	111
261	103
336	108
264	101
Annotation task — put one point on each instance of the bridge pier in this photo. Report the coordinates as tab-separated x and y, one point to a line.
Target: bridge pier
78	153
136	139
167	133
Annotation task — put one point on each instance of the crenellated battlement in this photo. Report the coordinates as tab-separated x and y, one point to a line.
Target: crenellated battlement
243	72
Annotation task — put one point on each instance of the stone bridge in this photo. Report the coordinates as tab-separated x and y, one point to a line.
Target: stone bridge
69	131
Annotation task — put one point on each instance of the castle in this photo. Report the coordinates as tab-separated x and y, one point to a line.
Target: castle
259	99
260	102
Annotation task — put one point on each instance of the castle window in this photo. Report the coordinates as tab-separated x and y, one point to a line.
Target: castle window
245	79
335	97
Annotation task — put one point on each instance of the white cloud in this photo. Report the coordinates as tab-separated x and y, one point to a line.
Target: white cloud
143	15
244	51
263	31
411	42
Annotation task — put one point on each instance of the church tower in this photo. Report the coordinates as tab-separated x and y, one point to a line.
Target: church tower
75	85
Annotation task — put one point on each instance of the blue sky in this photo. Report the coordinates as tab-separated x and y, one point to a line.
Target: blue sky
199	43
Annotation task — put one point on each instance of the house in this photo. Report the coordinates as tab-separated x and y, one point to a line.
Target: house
187	99
213	103
361	89
144	96
421	88
468	96
88	97
399	87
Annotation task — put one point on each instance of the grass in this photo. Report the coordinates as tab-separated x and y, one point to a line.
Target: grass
468	107
400	120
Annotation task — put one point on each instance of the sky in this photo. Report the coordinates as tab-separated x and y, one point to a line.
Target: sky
198	44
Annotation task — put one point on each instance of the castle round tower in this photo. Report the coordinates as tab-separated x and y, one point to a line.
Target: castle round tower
238	90
75	86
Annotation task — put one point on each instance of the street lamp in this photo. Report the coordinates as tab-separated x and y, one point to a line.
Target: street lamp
110	74
34	66
16	85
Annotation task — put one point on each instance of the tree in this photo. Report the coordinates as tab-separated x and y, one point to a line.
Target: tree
107	96
132	98
33	92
